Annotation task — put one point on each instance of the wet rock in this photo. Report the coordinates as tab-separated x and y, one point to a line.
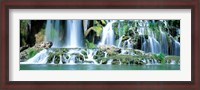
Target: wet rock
116	62
110	49
48	45
45	45
23	56
139	62
139	52
125	38
23	48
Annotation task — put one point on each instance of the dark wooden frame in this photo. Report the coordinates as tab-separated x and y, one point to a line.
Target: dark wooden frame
5	84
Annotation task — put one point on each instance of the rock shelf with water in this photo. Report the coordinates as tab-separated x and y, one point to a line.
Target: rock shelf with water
100	42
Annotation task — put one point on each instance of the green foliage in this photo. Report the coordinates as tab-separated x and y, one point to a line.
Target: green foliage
103	22
50	57
153	26
160	57
31	52
115	28
98	30
23	31
90	45
64	50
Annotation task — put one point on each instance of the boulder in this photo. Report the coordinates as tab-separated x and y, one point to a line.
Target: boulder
45	45
110	49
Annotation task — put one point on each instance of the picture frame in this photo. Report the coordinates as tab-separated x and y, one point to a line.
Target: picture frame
79	85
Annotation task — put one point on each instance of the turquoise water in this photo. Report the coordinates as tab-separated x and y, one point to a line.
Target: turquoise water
97	67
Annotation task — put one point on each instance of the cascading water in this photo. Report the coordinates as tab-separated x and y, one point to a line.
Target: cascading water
61	62
105	54
53	60
163	42
109	62
40	58
175	47
119	29
90	55
52	32
129	44
74	34
119	42
48	31
71	60
73	38
108	34
150	44
65	59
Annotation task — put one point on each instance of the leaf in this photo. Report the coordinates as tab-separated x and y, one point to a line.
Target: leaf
103	22
90	45
98	30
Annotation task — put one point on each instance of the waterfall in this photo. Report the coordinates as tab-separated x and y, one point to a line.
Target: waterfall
90	55
155	61
53	60
65	59
52	32
119	29
175	47
123	51
119	42
60	62
151	45
74	34
71	60
48	31
105	56
40	58
72	56
173	62
163	42
108	34
70	34
129	45
57	25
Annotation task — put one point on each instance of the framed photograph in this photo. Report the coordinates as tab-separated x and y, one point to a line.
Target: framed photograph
100	45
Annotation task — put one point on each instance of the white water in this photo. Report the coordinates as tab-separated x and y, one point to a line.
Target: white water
175	47
107	34
71	39
40	58
163	42
53	60
90	55
119	42
74	34
129	44
65	59
105	54
109	62
151	45
71	60
60	62
52	32
173	62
